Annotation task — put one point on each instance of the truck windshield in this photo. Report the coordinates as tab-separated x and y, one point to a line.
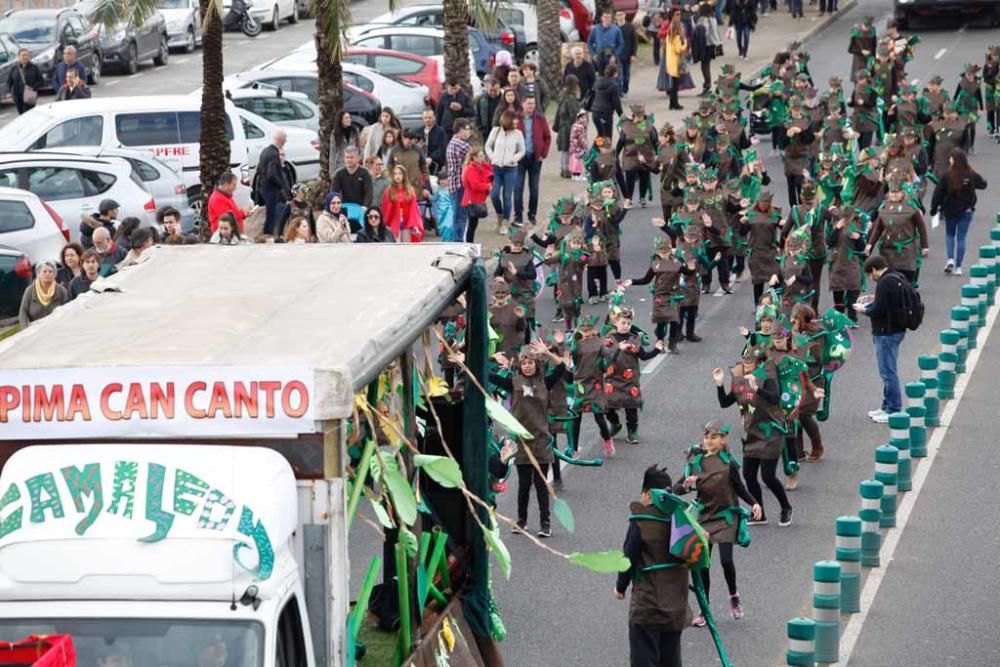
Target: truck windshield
150	642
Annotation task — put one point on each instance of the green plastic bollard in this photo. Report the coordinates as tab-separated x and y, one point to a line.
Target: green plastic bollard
826	610
987	275
849	557
970	301
946	375
871	517
995	238
918	431
899	437
887	472
949	339
960	323
928	364
801	643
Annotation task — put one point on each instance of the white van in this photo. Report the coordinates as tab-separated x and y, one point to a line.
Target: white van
168	126
154	554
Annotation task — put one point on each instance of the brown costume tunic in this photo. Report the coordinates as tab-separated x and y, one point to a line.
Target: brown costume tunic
846	258
902	232
762	248
659	597
530	406
588	361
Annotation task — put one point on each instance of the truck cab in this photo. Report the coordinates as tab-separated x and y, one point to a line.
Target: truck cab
154	555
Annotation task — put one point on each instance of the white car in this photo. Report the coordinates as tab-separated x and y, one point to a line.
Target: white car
525	15
270	13
407	99
183	23
74	185
30	225
283	108
301	149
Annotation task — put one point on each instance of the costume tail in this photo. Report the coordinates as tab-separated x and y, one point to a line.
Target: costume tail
706	611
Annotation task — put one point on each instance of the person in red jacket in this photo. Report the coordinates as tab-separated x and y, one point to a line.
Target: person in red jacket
477	182
400	210
537	138
221	201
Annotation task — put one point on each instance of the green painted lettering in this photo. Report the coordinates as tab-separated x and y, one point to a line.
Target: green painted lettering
86	482
216	499
46	482
154	504
256	532
123	487
11	522
185	485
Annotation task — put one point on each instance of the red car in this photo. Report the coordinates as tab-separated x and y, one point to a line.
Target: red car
583	18
400	65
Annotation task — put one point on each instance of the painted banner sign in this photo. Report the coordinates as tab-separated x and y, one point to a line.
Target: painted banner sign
155	402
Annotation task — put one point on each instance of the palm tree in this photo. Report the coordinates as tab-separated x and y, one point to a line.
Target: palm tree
458	15
549	45
332	19
214	156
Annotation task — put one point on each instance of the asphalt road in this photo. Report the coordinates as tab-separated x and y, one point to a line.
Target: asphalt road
560	615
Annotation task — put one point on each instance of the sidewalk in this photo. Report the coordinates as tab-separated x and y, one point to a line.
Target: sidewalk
774	32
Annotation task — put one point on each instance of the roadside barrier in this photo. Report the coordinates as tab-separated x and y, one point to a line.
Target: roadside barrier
801	643
887	472
871	517
899	437
849	557
928	364
826	610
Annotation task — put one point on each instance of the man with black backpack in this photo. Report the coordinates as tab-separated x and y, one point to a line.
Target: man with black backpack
895	308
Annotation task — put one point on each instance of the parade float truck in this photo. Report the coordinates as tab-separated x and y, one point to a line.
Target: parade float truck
179	453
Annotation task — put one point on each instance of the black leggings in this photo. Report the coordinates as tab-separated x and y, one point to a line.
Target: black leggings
604	122
631	419
597	277
689	315
632	176
728	568
722	265
527	477
991	120
470	230
767	468
794	188
864	140
843	300
649	645
758	291
970	135
602	426
662	327
706	73
739	264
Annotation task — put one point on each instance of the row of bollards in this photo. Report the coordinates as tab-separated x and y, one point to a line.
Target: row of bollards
837	584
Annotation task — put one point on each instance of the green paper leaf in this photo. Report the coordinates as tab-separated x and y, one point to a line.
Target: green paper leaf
408	540
602	562
381	514
399	489
502	418
498	548
442	469
565	515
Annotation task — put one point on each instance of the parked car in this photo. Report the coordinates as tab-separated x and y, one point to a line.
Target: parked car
15	277
408	99
583	16
524	16
271	14
947	12
8	60
31	225
166	126
46	32
161	180
74	185
183	19
403	66
126	45
301	149
285	109
429	15
362	106
424	41
630	7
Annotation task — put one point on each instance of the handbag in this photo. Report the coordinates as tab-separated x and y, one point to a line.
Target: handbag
30	95
477	211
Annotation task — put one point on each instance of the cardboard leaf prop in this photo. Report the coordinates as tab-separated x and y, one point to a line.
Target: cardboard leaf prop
498	548
442	469
602	562
565	515
399	490
505	420
381	514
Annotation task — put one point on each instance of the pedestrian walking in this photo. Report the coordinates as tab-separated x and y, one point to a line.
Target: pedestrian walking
846	242
455	154
537	141
273	186
477	183
68	62
896	230
23	81
578	145
566	115
665	277
605	42
636	148
623	350
629	51
955	198
504	148
606	102
743	21
582	69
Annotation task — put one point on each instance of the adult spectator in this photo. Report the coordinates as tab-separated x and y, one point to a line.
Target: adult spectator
42	296
885	310
273	185
379	177
537	140
629	52
374	229
502	64
487	104
509	101
106	217
91	271
955	198
582	69
566	112
345	134
141	240
221	202
435	141
69	264
607	101
458	149
108	252
455	103
743	20
353	181
73	89
408	154
169	219
504	148
298	230
123	235
332	226
532	86
605	42
23	82
67	63
374	137
477	182
674	46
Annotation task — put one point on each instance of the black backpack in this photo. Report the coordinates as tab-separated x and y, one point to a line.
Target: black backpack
911	309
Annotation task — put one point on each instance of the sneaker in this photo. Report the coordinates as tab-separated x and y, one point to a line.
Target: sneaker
949	266
642	203
518	528
609	448
735	608
579	178
762	521
727	289
786	517
594	300
517	222
558	317
707	289
532	220
693	338
672	347
699	621
958	271
881	419
877	413
544	532
633	437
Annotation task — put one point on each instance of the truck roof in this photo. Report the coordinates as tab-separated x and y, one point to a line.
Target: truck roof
338	312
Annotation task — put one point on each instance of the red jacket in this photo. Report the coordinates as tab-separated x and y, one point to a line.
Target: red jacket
218	203
477	182
541	137
403	213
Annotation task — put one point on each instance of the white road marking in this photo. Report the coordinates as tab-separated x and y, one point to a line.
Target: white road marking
181	61
113	82
852	632
654	364
132	76
940	54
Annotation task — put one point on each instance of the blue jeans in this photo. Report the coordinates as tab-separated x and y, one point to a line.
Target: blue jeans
742	38
274	206
504	180
460	217
957	227
624	75
887	356
532	169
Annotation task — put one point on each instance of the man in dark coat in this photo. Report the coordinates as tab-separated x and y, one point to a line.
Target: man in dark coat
24	74
582	69
455	103
435	142
273	185
630	47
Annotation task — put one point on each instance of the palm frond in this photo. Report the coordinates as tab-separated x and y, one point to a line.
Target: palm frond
110	14
333	18
484	14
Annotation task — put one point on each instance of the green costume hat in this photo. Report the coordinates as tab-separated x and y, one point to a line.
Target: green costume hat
692	168
795	103
621	310
777	88
597	186
895	182
575	236
527	353
808	192
518	235
868	20
767	310
637	109
691	122
565	205
835	82
710	174
936	80
750	155
501	288
862	75
690	195
666	129
800	237
970	68
716	426
664	245
765	196
586	322
910	131
869	153
728	69
756	352
837	150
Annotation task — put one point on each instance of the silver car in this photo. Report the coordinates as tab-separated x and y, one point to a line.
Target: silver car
183	23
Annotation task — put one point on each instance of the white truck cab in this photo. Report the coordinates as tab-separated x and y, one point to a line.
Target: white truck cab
154	555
